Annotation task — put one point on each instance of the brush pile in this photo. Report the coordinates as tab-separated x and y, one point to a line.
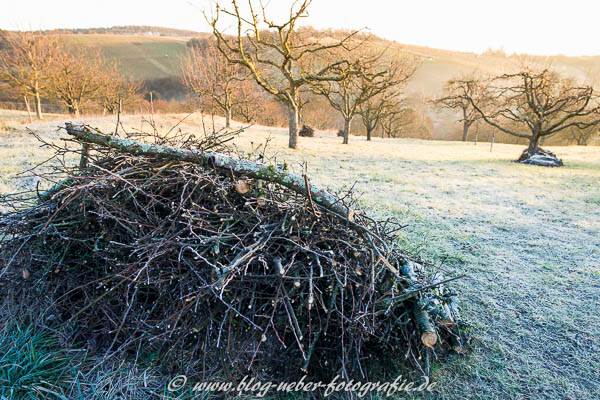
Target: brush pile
147	249
306	131
541	157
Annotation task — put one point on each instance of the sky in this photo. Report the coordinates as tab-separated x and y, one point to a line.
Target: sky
518	26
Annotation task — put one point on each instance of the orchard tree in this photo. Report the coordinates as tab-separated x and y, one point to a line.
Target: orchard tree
534	105
457	92
206	72
381	109
26	59
114	90
365	77
75	79
582	137
278	57
395	118
250	102
372	111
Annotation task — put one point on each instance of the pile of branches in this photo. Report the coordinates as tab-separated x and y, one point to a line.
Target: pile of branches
306	131
186	253
541	157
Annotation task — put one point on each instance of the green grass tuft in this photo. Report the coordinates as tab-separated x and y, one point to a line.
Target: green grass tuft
32	365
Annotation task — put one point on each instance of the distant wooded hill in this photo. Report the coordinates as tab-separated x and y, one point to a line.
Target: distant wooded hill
130	30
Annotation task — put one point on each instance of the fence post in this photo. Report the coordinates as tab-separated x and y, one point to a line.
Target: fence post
118	115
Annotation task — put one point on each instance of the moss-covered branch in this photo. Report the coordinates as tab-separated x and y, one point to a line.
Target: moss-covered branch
238	166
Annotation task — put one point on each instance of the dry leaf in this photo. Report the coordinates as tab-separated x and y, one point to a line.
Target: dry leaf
242	187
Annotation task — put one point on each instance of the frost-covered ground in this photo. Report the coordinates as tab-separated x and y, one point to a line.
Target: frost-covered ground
527	237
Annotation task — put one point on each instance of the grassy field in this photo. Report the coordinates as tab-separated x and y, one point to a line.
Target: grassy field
139	57
528	239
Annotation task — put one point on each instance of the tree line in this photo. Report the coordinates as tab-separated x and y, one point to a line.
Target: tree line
368	83
40	66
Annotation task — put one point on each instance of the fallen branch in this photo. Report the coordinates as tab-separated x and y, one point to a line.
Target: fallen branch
423	322
247	168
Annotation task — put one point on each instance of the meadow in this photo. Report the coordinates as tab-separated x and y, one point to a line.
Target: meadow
138	57
527	238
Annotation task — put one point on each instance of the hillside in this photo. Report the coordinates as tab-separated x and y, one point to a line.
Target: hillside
150	57
139	57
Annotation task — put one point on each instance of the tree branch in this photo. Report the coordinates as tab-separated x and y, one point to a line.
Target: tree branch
220	161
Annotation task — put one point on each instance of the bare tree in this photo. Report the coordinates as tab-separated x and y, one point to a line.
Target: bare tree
114	90
457	92
372	112
395	118
363	78
278	57
582	137
534	105
75	79
25	62
251	98
206	72
382	108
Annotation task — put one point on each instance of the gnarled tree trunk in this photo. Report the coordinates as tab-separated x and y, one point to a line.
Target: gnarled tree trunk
293	143
466	127
38	106
228	118
533	143
346	130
